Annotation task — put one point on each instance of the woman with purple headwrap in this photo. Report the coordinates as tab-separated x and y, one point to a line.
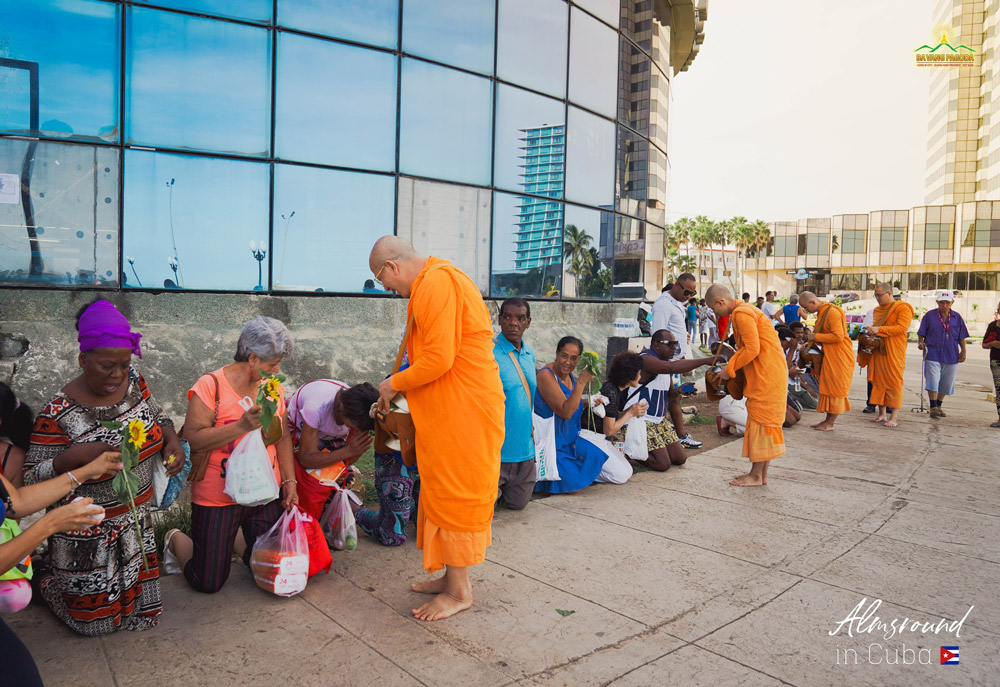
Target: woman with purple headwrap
94	579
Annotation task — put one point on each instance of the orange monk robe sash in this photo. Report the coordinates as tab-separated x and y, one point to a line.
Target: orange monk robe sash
885	371
455	396
838	360
760	356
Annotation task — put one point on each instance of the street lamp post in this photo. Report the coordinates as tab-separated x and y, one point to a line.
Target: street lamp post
259	255
174	263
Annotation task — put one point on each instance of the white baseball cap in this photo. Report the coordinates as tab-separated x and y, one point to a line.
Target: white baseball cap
946	296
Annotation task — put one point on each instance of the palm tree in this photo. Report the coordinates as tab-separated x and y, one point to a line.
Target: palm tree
718	235
761	237
576	250
678	262
700	240
740	235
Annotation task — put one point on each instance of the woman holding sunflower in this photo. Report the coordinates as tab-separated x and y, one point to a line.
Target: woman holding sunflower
95	580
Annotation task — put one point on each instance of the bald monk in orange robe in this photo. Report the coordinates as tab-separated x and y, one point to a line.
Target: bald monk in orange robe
760	356
454	393
838	358
891	321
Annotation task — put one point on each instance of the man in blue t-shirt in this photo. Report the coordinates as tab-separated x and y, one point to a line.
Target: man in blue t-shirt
941	337
516	360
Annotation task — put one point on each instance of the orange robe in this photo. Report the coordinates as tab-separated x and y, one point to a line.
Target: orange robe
760	356
838	360
455	396
885	371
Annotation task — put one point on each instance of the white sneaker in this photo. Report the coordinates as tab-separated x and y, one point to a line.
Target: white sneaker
690	442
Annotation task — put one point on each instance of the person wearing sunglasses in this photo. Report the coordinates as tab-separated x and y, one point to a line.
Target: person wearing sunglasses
666	440
670	312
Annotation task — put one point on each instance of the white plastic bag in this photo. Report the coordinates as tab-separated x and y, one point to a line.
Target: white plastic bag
546	468
250	477
636	446
616	468
338	523
280	558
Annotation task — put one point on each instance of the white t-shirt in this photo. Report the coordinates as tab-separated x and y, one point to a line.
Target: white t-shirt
671	314
869	318
768	309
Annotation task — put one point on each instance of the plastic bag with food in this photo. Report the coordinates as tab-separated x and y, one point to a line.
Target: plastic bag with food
280	558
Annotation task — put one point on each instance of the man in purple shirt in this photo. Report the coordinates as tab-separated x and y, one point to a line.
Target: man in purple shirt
941	337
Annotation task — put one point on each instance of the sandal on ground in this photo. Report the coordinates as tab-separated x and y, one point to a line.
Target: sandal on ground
995	424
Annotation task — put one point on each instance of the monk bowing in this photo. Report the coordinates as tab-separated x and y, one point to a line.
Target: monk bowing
891	322
838	358
454	393
759	355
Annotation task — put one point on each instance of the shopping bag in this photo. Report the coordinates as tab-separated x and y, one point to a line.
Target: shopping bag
250	479
319	553
338	523
280	558
167	489
616	468
546	468
636	446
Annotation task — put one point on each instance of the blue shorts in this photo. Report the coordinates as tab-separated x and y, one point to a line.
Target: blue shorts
939	378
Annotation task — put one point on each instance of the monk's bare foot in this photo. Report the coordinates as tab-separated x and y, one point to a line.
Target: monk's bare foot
442	606
435	586
881	418
747	480
822	427
890	423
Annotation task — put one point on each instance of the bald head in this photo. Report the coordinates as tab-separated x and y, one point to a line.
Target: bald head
395	263
883	293
720	300
809	301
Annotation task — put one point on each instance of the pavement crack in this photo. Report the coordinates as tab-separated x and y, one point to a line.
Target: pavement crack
107	660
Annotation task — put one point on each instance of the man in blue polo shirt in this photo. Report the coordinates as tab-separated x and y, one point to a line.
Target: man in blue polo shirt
517	374
941	336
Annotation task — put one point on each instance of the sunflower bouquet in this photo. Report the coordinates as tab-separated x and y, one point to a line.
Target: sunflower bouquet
268	395
126	483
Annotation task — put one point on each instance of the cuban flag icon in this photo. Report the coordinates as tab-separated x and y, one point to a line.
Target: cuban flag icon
949	655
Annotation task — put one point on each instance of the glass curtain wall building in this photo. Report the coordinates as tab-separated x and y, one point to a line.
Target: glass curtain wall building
263	145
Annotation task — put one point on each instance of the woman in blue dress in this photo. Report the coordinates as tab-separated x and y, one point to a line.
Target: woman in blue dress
559	394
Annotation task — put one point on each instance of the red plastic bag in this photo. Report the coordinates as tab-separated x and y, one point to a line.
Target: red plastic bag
280	558
320	558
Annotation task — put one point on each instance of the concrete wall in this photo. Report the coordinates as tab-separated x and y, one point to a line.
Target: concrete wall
188	334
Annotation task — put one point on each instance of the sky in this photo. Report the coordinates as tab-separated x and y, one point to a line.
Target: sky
802	108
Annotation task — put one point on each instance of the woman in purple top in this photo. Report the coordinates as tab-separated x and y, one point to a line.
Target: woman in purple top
941	337
991	342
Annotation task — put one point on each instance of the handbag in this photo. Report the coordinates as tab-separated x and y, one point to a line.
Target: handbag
199	459
394	429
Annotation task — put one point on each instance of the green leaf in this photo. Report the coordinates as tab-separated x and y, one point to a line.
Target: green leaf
564	613
113	424
268	409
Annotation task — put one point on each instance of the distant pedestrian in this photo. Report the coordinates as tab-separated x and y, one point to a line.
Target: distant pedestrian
992	342
941	336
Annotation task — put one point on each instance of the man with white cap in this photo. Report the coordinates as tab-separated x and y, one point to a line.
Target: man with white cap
941	337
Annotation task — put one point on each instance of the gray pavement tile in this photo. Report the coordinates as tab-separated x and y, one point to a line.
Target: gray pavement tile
932	581
514	626
694	667
956	490
604	665
640	575
789	639
58	651
703	522
957	531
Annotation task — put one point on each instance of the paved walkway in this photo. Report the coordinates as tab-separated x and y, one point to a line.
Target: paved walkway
673	578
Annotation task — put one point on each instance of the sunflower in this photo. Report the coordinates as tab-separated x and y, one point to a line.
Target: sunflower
137	433
272	389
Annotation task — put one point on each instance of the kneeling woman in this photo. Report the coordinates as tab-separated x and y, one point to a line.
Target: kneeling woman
559	394
222	409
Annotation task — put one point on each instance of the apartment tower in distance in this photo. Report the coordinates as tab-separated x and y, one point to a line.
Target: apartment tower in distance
539	222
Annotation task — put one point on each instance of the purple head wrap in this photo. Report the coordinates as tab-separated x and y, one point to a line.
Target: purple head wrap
102	326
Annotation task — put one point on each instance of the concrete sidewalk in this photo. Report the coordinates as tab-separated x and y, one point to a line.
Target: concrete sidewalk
673	578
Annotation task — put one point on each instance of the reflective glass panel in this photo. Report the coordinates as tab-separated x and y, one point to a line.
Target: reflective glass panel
448	221
252	10
445	123
633	167
65	232
375	22
530	142
531	44
325	223
527	246
189	222
608	10
197	83
458	32
588	253
590	155
593	64
336	104
659	106
59	68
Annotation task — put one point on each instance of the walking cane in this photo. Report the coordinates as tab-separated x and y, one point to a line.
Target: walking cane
923	359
